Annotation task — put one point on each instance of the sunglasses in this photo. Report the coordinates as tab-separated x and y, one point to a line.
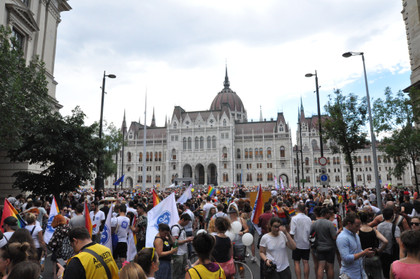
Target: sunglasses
153	252
415	224
276	226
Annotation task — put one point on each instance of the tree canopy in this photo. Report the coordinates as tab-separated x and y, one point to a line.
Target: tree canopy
23	92
345	125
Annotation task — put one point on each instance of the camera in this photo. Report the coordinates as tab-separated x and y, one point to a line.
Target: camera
271	268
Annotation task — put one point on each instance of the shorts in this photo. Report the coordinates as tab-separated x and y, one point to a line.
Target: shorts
121	250
327	256
300	254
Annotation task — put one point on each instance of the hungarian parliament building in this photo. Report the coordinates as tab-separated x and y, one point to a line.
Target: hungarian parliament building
221	147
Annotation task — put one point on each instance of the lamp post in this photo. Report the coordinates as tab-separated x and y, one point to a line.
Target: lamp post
99	184
319	110
372	134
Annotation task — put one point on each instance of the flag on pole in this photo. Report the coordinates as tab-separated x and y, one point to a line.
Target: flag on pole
131	244
119	180
258	209
276	184
186	195
165	212
211	191
49	231
156	199
106	238
281	183
88	221
9	210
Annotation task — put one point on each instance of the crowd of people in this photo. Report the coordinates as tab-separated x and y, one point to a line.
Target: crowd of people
343	225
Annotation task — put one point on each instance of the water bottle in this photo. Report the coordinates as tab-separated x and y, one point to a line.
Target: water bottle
42	261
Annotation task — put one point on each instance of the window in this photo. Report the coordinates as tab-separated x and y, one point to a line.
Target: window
281	129
160	156
201	143
224	122
196	143
156	156
140	179
224	153
184	144
282	152
140	157
189	143
26	2
19	39
173	154
208	142
269	153
269	176
269	165
148	179
261	153
249	177
213	142
129	156
308	179
379	159
238	153
225	177
256	153
238	177
246	153
369	177
337	178
259	177
157	179
307	161
225	166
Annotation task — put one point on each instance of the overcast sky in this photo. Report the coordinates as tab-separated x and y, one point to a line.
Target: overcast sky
176	50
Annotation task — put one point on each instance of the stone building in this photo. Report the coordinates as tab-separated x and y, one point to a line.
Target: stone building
34	25
218	146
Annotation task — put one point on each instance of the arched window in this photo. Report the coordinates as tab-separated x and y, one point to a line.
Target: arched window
261	153
224	153
201	143
269	176
173	154
189	143
157	179
184	144
246	153
224	122
140	157
147	156
269	153
213	142
160	156
156	156
196	143
256	153
151	156
307	161
208	142
238	153
225	177
128	156
282	152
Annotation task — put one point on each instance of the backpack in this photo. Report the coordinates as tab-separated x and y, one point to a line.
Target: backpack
180	229
65	251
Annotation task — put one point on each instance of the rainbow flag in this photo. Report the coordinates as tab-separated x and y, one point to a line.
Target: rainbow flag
156	199
211	191
88	221
258	209
292	212
8	211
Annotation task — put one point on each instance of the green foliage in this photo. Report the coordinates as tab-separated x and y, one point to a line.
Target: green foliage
112	140
64	148
345	125
24	98
394	117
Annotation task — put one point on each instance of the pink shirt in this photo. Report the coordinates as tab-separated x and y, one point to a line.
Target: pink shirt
405	271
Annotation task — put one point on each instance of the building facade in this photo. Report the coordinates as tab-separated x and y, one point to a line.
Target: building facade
218	147
337	169
34	25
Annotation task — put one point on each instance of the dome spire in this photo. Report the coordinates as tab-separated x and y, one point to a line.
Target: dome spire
226	83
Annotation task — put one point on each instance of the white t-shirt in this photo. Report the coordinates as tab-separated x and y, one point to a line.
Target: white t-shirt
207	207
97	219
123	226
276	250
178	230
300	227
34	234
130	209
189	227
5	239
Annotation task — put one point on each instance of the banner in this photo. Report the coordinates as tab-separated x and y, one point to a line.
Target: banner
106	238
49	231
156	199
88	221
276	184
131	243
186	195
258	209
165	212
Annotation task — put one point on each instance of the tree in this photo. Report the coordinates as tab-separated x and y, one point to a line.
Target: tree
112	140
23	92
345	125
394	117
65	149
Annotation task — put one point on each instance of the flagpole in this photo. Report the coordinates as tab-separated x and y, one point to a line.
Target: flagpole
144	143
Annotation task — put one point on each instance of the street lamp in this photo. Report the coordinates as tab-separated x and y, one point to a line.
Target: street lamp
372	134
319	110
99	185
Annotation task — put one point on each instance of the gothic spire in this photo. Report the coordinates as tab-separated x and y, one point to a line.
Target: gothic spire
226	83
261	117
153	124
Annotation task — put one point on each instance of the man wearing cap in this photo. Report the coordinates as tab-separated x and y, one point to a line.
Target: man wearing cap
10	225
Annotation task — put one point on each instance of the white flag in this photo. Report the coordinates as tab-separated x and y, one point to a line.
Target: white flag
281	183
131	245
106	238
186	195
165	212
276	184
49	231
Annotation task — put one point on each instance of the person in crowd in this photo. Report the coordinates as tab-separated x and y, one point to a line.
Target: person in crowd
36	233
10	225
408	267
369	238
140	227
246	215
78	220
27	270
42	213
179	259
398	219
148	259
265	218
12	254
211	213
203	244
220	211
132	271
21	236
164	247
415	223
300	227
325	251
223	249
189	226
273	250
59	243
98	221
392	233
86	263
207	206
239	249
122	229
349	246
131	208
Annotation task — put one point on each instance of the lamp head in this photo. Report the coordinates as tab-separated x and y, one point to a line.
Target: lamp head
309	75
350	53
111	76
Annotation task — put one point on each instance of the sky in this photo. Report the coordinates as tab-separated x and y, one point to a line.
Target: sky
177	51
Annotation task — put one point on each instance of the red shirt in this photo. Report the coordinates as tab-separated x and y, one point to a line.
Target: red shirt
264	220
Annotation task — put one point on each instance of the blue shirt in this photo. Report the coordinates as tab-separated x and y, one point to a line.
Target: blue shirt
348	243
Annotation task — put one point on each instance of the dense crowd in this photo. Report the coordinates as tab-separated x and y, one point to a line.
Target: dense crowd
343	224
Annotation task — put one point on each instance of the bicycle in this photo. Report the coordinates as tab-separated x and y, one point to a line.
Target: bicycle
242	271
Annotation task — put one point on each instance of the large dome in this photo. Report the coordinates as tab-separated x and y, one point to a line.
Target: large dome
229	97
